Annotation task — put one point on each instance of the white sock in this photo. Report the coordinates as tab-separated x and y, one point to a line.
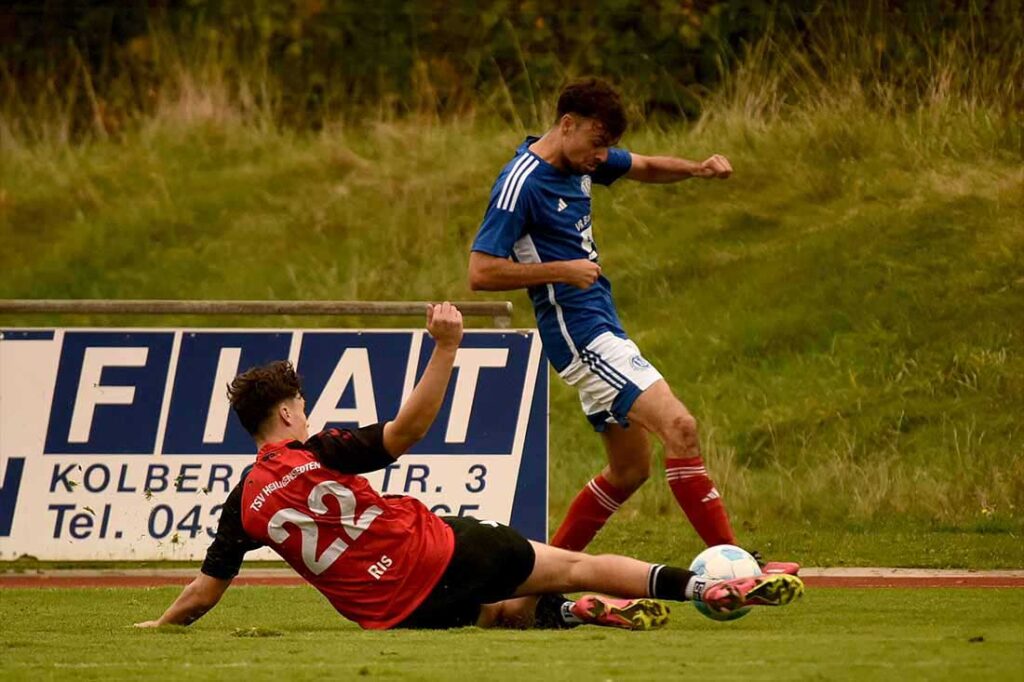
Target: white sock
568	617
695	587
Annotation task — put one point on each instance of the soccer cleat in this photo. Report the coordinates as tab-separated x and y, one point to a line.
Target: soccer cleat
777	589
780	567
775	567
629	614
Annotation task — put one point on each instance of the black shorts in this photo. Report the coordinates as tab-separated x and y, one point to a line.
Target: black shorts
489	564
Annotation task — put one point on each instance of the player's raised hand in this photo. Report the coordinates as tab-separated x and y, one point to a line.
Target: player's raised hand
716	166
581	273
444	324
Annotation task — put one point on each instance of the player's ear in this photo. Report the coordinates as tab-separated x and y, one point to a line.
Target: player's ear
566	123
285	413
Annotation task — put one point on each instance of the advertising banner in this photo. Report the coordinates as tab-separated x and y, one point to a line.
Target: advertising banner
120	443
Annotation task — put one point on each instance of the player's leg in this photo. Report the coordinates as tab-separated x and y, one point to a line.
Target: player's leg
602	389
629	465
606	573
629	457
660	411
634	582
505	614
495	570
489	565
618	385
558	570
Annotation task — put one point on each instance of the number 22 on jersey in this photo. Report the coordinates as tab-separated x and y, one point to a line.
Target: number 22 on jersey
309	529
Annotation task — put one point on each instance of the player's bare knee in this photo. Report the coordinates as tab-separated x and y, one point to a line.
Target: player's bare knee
681	434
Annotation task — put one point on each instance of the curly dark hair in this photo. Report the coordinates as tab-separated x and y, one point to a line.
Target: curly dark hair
255	392
594	98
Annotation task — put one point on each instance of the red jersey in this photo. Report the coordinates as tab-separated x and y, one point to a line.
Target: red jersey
375	558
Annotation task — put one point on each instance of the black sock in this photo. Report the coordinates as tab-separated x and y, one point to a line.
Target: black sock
668	582
551	613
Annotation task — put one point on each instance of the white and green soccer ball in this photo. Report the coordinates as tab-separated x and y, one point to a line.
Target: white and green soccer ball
724	562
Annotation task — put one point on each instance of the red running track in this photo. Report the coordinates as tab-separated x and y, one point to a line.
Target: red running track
54	580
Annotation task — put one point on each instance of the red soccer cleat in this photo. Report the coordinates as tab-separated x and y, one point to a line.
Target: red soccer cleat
776	589
775	567
628	614
780	567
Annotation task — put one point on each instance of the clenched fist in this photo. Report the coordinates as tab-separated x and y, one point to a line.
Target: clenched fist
716	166
581	273
444	324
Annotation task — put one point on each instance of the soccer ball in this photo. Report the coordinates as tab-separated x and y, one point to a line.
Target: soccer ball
723	562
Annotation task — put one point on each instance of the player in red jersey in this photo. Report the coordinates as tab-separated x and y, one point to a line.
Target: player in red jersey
387	561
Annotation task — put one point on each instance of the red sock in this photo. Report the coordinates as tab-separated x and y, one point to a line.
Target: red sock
588	513
701	503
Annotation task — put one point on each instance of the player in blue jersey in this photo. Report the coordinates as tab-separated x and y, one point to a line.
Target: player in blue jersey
537	234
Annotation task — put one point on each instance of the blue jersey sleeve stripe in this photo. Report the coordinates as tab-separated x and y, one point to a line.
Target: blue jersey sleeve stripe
509	178
516	182
520	183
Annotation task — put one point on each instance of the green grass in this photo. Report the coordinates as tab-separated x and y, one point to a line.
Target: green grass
831	634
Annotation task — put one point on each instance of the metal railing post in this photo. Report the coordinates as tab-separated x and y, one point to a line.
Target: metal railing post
500	312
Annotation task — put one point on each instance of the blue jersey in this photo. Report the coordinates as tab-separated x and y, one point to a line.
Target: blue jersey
539	214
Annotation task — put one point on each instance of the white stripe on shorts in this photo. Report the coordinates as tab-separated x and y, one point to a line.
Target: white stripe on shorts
603	373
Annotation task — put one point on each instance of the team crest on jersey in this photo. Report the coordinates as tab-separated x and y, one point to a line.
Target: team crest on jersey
638	362
585	184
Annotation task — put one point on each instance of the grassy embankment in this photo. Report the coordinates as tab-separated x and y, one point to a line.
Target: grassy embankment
843	316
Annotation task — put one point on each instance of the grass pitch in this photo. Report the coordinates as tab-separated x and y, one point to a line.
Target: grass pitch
260	633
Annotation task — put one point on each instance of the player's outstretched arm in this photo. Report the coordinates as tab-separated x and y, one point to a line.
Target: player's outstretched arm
491	273
662	169
444	323
198	597
223	559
